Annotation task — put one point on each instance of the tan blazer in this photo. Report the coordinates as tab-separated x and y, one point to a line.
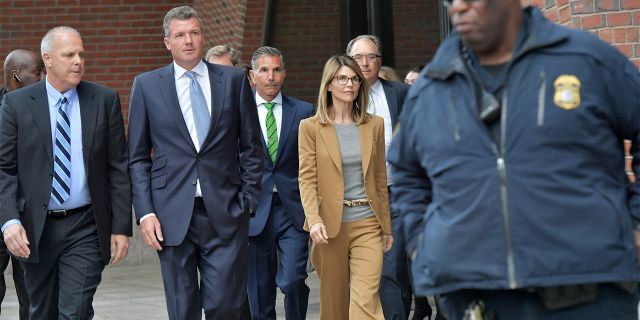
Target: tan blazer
321	181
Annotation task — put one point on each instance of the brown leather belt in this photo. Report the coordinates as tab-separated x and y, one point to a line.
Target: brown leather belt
355	202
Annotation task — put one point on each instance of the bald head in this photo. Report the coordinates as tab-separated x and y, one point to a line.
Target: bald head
22	68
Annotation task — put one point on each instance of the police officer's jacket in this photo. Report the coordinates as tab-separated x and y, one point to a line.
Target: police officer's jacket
546	203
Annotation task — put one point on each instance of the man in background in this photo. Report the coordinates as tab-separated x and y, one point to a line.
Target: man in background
412	75
21	68
223	55
385	100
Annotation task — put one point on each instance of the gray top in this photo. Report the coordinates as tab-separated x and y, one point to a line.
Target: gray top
349	141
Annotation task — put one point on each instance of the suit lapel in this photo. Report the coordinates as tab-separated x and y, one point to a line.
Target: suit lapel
330	139
392	100
288	115
88	118
366	144
167	86
217	80
39	107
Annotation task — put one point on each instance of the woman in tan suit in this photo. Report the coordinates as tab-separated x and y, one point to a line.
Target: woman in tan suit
343	186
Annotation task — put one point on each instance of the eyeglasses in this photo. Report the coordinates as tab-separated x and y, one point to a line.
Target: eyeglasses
449	3
359	57
343	80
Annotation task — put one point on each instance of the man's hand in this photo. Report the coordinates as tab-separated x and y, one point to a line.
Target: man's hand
119	247
152	232
318	234
387	242
15	237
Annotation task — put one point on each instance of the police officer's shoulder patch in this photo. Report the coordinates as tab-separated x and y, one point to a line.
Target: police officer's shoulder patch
567	92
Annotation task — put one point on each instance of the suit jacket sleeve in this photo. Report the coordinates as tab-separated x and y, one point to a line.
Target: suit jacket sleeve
8	162
623	88
380	167
411	185
250	147
119	183
139	152
308	177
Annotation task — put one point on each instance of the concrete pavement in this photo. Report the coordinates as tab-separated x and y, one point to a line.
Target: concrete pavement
136	293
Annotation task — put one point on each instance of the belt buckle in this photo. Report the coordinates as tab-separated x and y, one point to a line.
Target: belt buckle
58	213
348	203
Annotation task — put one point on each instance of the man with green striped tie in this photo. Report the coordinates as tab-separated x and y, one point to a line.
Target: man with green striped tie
279	215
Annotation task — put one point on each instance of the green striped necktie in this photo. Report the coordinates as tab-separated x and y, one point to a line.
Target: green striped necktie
272	131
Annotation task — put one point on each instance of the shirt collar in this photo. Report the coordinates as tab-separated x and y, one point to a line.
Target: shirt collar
277	100
200	69
53	95
376	87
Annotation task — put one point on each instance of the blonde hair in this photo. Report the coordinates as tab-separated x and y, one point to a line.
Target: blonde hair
325	102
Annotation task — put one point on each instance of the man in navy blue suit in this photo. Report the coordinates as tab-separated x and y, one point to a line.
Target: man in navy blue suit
193	195
276	231
385	100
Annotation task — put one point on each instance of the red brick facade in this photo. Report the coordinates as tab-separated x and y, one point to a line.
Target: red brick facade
124	37
614	21
416	33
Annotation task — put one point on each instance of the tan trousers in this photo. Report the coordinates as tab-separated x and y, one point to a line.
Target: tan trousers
349	268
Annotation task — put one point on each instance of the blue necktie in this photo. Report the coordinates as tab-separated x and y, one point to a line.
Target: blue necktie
201	117
62	154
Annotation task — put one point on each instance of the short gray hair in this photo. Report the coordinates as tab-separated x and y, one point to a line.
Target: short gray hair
179	13
266	51
46	45
376	41
221	50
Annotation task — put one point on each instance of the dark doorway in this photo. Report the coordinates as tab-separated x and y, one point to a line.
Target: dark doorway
369	17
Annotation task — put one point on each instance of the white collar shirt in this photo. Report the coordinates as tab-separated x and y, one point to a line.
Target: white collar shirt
182	89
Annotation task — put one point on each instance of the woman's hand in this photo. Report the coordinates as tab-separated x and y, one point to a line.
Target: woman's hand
387	242
318	234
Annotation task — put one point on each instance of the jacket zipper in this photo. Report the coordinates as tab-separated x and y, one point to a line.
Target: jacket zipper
502	172
454	117
541	97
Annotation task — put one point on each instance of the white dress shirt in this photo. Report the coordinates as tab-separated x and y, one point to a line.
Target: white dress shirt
182	89
378	105
262	115
184	98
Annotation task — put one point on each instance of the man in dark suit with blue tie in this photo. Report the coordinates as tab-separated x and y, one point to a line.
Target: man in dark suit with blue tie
195	163
276	234
65	196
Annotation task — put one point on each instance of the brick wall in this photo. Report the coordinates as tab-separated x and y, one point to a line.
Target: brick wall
122	37
253	28
416	33
614	21
308	33
223	21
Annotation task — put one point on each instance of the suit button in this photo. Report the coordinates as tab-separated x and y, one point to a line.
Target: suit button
269	193
44	205
194	182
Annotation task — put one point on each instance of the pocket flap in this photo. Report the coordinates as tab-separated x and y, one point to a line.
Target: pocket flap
159	182
159	163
